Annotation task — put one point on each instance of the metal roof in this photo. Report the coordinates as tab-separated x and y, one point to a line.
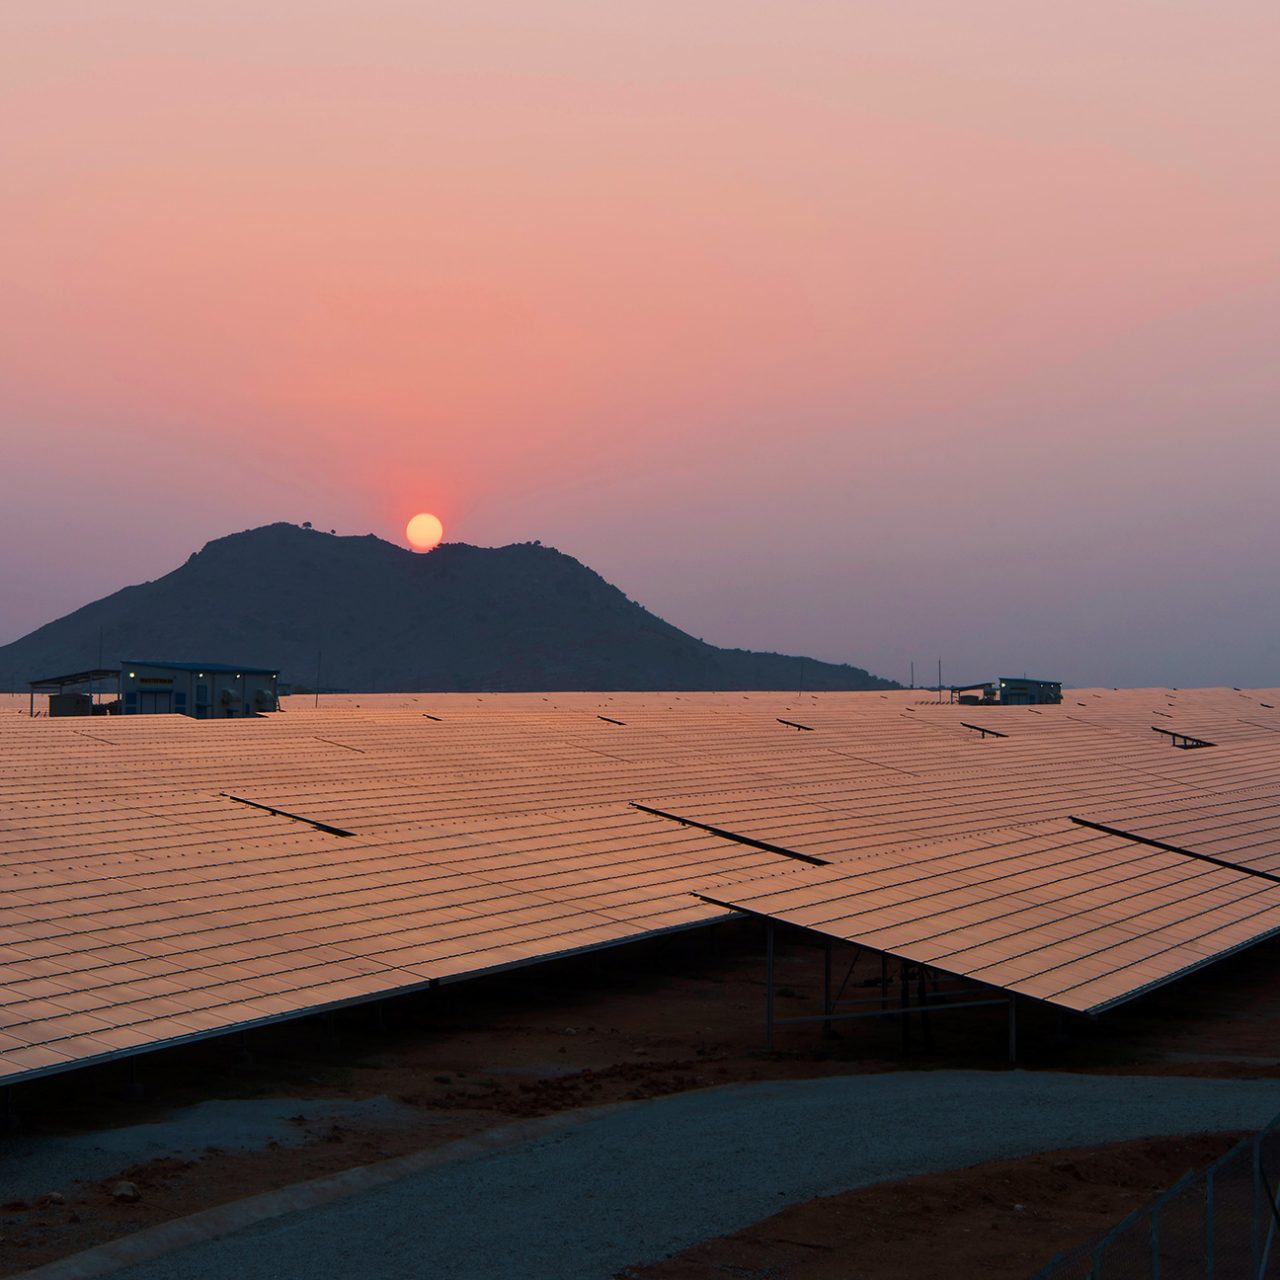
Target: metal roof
49	684
220	667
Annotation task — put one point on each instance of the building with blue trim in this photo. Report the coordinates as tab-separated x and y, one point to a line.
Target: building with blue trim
205	690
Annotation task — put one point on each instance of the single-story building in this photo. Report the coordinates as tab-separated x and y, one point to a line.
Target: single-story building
1018	691
205	690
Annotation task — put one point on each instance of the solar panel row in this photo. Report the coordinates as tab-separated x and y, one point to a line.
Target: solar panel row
436	836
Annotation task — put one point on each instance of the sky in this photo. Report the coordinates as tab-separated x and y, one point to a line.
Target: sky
881	331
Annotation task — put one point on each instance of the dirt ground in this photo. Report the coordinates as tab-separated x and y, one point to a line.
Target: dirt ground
998	1221
638	1022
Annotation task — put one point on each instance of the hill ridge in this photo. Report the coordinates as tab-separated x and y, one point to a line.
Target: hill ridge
380	617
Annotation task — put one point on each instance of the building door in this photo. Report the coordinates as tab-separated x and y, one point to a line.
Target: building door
156	702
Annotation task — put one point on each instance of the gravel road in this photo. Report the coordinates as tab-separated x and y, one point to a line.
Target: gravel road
31	1166
637	1183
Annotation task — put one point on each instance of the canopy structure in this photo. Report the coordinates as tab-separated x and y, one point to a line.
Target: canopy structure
98	677
59	684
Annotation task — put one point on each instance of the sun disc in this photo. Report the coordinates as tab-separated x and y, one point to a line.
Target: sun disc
424	531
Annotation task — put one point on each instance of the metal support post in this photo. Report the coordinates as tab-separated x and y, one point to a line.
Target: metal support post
1013	1030
1155	1241
1255	1226
1208	1225
893	1013
922	999
904	999
826	985
768	982
133	1088
884	981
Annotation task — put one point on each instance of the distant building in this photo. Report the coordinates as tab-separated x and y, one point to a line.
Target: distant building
71	704
973	695
1021	692
1011	691
205	690
77	692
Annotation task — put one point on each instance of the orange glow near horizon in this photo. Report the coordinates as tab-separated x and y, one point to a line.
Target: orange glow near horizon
932	285
424	531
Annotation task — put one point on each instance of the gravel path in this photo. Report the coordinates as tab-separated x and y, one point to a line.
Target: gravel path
635	1184
31	1166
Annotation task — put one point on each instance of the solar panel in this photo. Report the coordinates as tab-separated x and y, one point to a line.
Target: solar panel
1072	917
387	842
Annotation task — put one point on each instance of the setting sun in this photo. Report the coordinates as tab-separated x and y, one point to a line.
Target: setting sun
424	531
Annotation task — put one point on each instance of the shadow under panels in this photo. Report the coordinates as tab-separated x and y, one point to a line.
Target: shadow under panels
1073	917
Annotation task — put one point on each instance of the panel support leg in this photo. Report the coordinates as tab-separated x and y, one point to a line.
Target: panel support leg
1210	1255
768	983
826	987
904	999
133	1089
922	999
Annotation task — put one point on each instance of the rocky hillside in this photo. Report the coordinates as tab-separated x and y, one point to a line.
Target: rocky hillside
459	618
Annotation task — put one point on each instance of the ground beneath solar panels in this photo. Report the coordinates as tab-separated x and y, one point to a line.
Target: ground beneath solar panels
628	1025
1004	1219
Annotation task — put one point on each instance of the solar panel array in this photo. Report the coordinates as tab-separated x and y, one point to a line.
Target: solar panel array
163	878
1057	911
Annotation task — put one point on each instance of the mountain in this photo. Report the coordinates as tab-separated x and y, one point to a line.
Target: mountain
383	618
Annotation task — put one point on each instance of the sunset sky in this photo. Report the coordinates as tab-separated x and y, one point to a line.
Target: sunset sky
869	329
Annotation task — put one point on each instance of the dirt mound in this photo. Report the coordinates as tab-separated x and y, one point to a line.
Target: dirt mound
998	1220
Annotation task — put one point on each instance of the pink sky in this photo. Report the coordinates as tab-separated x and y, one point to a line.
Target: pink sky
873	331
